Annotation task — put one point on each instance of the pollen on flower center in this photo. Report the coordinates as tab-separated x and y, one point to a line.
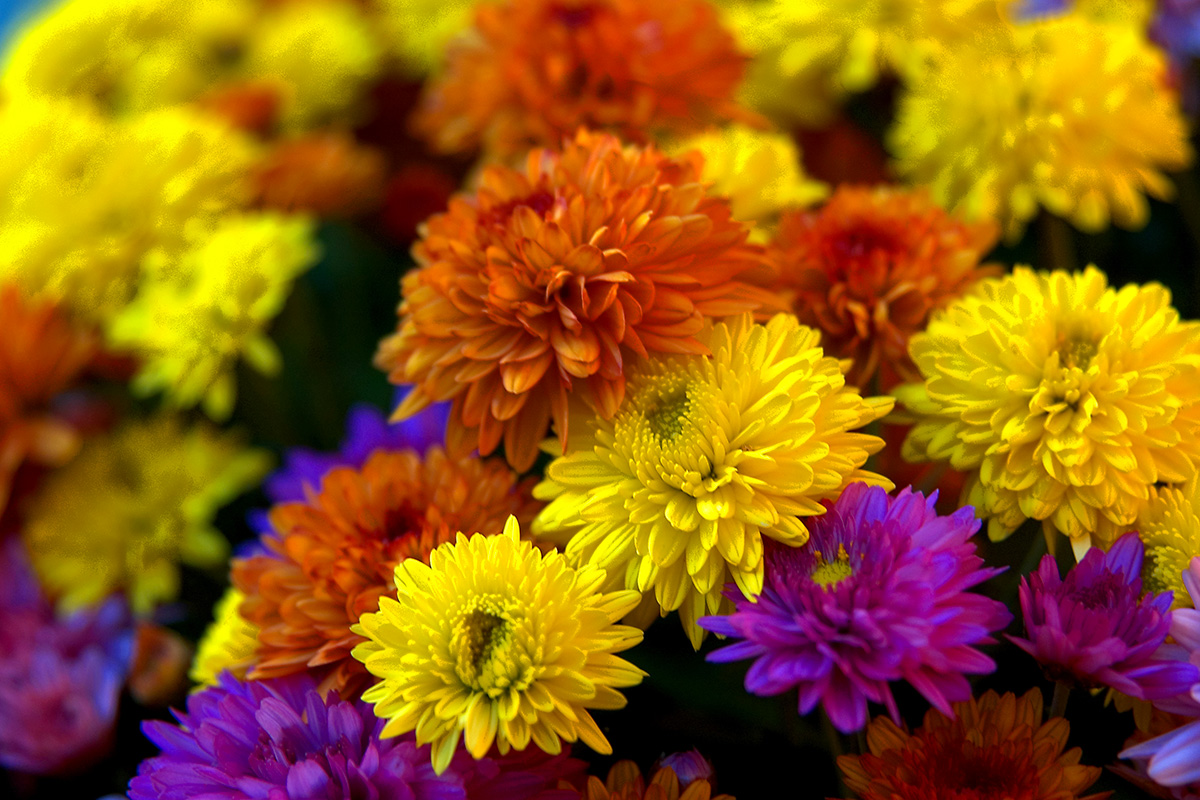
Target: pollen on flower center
666	416
831	573
1077	351
477	636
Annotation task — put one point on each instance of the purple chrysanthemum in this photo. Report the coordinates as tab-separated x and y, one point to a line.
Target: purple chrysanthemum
1173	759
689	766
60	679
1094	629
280	739
878	594
367	430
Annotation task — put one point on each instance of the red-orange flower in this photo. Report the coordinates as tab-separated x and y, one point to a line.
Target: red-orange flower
544	282
331	558
996	746
532	71
326	174
870	266
625	782
41	354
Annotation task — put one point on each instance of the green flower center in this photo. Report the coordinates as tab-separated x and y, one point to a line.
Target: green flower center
1077	351
831	573
666	415
478	636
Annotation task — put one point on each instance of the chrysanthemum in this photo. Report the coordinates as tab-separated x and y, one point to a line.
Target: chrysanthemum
530	72
625	782
367	430
131	506
870	266
1094	628
1064	399
1170	759
528	774
995	746
282	738
228	645
1176	736
550	281
330	558
42	353
194	317
499	643
708	456
1068	113
879	594
421	30
60	679
326	174
132	187
1169	525
759	171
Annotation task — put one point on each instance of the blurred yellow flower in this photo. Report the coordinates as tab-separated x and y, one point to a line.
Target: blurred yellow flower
1066	400
1067	113
759	171
1169	525
421	29
229	643
196	315
132	505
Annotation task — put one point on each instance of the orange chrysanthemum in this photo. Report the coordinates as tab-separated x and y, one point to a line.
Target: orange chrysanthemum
327	174
625	782
41	354
331	558
545	281
869	267
995	746
532	71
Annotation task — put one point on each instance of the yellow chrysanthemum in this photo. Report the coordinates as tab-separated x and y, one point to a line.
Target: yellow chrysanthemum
1065	399
810	53
421	29
127	55
229	643
133	504
82	199
1067	113
706	456
323	54
759	171
498	642
1169	525
195	316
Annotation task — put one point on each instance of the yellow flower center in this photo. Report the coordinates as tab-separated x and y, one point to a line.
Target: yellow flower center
667	414
831	573
1077	351
1161	571
479	643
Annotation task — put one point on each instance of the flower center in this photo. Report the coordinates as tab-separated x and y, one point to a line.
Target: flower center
1077	351
1161	570
667	415
831	573
479	636
1100	594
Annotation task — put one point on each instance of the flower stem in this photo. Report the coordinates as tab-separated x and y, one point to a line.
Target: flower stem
836	748
1058	705
1056	242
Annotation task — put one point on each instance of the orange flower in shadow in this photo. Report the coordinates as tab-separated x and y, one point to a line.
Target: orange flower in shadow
532	71
625	782
544	283
41	354
869	267
331	558
326	174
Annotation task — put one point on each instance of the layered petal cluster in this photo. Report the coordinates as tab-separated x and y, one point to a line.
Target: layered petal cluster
367	430
1170	759
548	282
495	642
1065	400
879	594
1095	628
1169	525
625	782
709	456
1067	113
60	679
229	644
530	72
870	266
282	738
993	746
42	353
330	558
759	171
132	505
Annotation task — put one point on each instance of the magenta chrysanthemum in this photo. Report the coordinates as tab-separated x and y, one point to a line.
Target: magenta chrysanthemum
879	594
280	738
1093	628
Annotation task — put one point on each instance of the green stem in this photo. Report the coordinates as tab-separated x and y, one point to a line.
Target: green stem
836	748
1056	242
1058	705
